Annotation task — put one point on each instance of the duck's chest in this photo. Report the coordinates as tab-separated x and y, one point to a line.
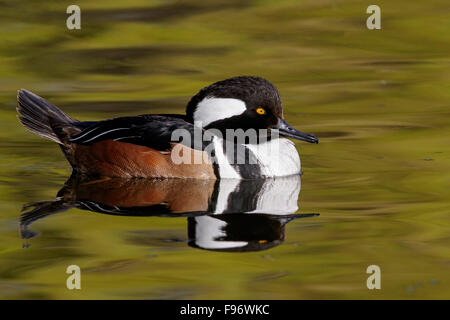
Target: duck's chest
274	158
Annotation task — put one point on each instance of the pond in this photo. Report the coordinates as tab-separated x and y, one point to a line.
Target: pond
374	191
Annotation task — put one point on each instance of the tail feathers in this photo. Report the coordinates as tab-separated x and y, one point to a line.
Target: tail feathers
40	116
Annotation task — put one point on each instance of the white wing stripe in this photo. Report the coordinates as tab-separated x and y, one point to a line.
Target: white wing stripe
126	137
103	133
78	138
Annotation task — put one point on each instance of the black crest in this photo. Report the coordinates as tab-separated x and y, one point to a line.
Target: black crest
254	91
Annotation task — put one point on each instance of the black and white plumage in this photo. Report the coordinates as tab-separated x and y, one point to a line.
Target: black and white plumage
153	131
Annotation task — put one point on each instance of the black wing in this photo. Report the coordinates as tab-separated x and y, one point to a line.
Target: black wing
153	131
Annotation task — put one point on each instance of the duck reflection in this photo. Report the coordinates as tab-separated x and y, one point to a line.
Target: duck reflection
223	215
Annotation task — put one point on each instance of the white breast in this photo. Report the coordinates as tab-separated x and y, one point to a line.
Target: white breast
278	157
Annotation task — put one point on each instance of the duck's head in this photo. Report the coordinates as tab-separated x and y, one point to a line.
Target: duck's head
242	103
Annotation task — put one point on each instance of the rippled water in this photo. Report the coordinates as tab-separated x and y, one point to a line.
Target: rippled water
378	101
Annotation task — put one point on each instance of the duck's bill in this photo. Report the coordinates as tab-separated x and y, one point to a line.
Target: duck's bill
286	130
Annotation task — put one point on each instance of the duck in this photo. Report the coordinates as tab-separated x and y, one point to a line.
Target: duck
164	145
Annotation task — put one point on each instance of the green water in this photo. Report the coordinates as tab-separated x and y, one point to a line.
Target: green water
378	100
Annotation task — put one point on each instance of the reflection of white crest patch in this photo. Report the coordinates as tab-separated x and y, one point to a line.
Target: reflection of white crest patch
211	109
209	230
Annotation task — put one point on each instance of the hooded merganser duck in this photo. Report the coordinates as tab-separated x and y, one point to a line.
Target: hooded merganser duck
142	146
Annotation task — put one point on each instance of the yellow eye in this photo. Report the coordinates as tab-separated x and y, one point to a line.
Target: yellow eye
260	111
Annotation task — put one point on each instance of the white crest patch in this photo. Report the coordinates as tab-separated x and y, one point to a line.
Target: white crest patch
211	109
